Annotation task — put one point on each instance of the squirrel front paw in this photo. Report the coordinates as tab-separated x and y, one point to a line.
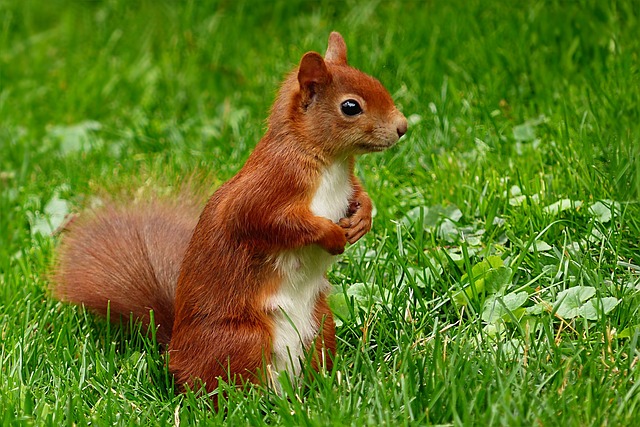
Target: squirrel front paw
358	221
334	239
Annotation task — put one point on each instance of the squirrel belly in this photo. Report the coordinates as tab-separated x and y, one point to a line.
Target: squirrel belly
303	271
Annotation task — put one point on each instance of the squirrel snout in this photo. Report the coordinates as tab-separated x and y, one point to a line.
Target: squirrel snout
401	126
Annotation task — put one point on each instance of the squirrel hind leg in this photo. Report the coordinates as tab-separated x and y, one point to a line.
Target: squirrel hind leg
325	342
125	259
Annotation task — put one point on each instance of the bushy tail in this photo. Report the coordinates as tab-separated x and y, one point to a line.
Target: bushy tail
126	258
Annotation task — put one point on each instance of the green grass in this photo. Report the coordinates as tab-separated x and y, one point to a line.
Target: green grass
475	299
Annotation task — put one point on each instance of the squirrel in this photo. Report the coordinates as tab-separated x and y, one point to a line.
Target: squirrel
240	293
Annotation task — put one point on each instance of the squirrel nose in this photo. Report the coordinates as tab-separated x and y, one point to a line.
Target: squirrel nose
401	127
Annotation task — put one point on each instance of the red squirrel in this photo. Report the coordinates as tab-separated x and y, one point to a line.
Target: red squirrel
244	291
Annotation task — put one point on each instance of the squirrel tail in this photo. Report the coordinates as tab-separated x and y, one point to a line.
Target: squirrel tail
126	259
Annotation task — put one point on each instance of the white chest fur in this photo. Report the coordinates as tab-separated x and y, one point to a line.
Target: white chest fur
332	196
303	271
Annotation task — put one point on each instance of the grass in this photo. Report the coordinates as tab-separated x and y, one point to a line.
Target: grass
500	284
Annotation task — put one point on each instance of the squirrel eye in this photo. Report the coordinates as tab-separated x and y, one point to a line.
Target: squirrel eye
350	107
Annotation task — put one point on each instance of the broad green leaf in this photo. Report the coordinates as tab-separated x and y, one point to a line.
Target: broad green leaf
537	309
571	300
561	206
364	295
524	132
489	275
596	236
339	307
452	212
602	210
517	200
540	246
470	291
448	231
494	261
496	279
359	292
74	137
479	270
596	306
455	255
473	239
54	214
529	324
494	329
474	290
460	298
629	332
433	216
498	307
518	313
422	276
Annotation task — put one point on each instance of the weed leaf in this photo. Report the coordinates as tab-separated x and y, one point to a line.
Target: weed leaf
602	210
54	214
561	206
571	300
498	307
629	332
340	308
74	137
597	307
540	246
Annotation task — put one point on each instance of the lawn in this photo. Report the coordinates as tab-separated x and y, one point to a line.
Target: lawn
500	284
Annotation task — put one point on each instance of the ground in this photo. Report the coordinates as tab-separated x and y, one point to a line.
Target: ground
500	284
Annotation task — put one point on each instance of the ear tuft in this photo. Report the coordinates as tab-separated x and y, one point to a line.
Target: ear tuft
337	49
312	75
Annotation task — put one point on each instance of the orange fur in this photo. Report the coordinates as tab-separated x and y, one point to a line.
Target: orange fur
221	321
127	259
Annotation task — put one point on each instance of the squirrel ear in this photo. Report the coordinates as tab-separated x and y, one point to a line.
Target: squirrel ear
337	50
312	74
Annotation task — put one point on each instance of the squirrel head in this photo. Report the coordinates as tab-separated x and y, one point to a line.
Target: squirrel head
336	109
